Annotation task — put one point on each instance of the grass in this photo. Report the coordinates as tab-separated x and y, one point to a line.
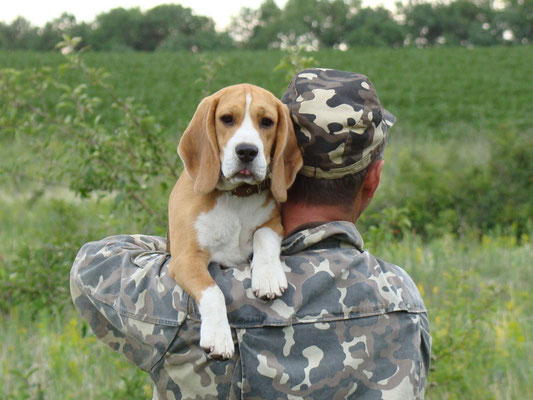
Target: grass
47	350
450	104
477	295
52	355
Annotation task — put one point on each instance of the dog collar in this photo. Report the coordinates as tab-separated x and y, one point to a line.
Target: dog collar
246	189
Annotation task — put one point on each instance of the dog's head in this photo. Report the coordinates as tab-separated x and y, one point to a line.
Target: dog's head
238	135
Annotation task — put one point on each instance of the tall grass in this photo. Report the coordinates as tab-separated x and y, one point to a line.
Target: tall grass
53	355
478	296
47	351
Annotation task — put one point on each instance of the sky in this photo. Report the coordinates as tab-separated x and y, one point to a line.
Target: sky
38	12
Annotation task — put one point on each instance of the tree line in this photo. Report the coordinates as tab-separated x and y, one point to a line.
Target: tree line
311	24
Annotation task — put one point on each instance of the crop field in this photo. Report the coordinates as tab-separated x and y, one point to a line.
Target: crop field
454	207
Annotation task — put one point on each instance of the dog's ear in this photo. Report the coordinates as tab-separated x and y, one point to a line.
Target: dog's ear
287	159
198	147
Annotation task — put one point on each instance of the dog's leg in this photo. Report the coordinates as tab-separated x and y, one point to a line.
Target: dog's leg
268	277
189	270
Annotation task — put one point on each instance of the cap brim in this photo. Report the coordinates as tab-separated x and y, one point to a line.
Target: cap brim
389	118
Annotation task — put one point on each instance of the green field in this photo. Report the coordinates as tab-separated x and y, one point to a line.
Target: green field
454	208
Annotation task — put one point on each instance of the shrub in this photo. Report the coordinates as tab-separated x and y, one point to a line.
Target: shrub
40	246
123	159
440	190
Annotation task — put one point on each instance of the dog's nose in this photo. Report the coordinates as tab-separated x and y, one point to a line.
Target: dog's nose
246	152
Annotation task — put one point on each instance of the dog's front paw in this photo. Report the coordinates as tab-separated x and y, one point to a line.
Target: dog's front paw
215	333
268	279
216	340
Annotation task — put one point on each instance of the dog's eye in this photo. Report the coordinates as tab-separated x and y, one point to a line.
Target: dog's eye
227	119
266	122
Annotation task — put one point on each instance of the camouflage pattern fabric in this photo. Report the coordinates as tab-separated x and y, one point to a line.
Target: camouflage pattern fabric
338	119
348	326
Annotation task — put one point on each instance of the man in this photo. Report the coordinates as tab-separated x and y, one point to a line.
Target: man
348	326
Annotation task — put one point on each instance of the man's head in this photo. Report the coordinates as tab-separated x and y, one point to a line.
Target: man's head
341	129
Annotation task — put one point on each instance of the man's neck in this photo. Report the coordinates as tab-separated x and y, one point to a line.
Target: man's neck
294	215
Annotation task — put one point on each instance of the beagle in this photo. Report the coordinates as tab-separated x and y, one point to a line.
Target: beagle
240	156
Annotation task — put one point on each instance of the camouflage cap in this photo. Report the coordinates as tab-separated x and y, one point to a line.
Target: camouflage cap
339	122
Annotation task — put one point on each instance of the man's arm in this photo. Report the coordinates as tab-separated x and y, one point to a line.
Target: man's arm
121	286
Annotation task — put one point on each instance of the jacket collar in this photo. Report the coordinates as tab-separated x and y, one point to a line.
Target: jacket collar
313	236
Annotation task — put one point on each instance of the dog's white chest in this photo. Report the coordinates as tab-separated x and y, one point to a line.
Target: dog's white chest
227	230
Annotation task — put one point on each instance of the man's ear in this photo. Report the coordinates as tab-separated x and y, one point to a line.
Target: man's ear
368	188
287	158
372	178
198	147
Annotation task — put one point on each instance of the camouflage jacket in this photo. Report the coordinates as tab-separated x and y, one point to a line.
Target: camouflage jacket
348	326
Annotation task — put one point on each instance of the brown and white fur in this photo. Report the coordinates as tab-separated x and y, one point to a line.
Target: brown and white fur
236	137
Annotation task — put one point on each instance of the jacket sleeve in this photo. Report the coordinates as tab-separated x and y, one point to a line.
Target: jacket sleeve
425	351
122	287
